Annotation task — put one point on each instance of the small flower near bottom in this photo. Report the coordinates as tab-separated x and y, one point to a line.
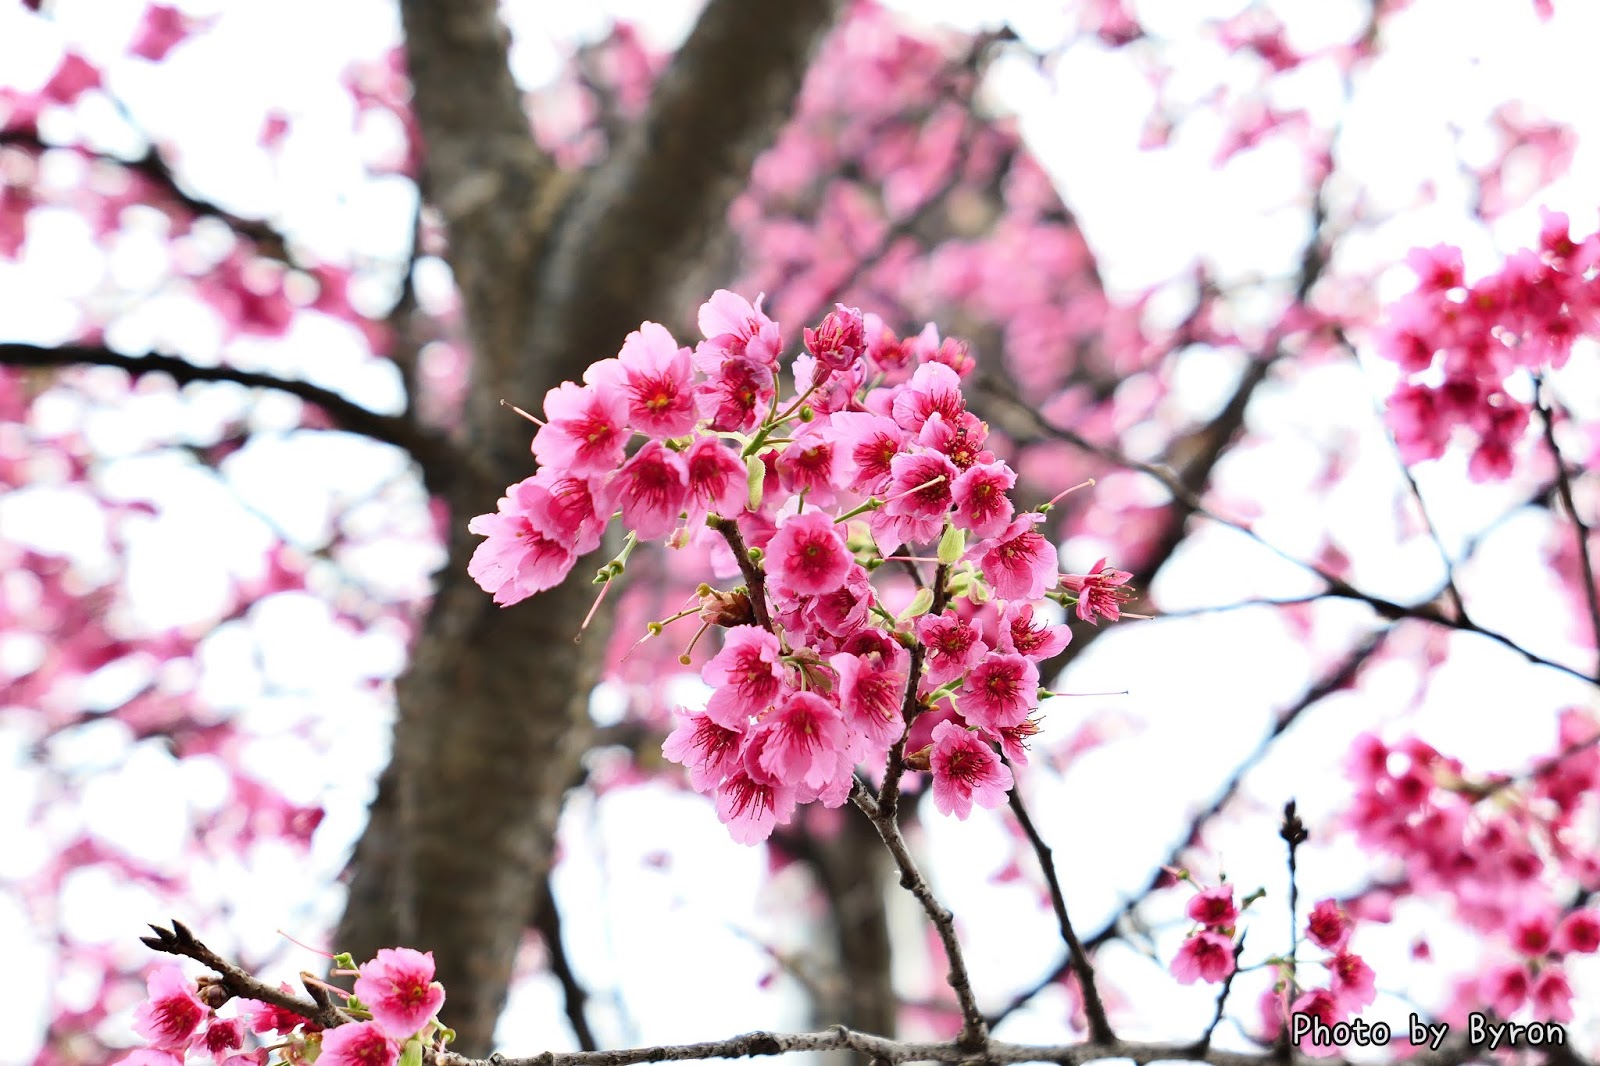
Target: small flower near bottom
170	1019
397	986
965	768
1205	956
358	1044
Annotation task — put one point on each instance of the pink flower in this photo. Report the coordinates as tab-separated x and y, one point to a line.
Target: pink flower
1323	1006
871	689
398	988
222	1036
735	328
1000	691
269	1018
807	556
74	77
981	497
869	444
961	440
1579	932
1205	956
839	340
171	1015
801	740
1099	591
586	429
811	464
578	509
652	489
934	389
1019	563
1327	926
1214	907
657	377
1352	981
716	478
1552	995
526	551
733	397
953	646
1505	987
162	29
1019	634
750	808
709	751
965	769
358	1044
919	485
746	675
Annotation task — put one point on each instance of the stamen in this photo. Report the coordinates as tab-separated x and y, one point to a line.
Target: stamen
1063	493
524	414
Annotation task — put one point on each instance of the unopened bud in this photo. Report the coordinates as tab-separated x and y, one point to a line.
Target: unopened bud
952	545
806	413
920	760
755	479
726	609
921	603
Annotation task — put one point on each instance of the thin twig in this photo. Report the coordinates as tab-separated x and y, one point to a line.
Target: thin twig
889	794
1093	1008
547	920
974	1030
1204	1043
1580	530
180	941
1293	832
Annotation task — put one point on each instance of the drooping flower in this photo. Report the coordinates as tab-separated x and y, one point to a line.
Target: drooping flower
839	340
171	1015
801	740
1328	927
735	328
871	690
1018	633
1018	562
1552	995
807	556
222	1036
397	985
745	676
708	750
965	770
1099	591
652	489
716	478
358	1044
526	551
934	389
1353	981
751	808
1205	956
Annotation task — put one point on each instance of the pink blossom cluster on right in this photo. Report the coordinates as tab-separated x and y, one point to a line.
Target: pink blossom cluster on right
1460	344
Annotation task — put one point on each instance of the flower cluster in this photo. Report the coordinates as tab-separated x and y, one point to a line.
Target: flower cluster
1209	951
395	1006
1495	861
876	459
1350	986
1458	344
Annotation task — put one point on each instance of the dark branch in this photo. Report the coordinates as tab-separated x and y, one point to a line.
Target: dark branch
1580	530
1099	1026
432	451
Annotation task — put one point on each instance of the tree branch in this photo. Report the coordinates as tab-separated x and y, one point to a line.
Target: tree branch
1099	1026
1580	529
433	452
974	1030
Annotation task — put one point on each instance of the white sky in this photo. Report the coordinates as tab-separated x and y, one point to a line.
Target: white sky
1147	215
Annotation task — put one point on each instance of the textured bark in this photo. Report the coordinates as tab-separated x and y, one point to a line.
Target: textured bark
553	275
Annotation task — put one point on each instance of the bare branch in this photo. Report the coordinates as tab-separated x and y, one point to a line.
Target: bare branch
547	920
974	1030
433	452
236	982
1099	1026
1580	529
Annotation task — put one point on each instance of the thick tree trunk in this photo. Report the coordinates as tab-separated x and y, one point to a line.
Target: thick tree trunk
492	712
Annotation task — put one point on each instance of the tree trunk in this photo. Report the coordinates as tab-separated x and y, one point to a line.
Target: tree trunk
553	274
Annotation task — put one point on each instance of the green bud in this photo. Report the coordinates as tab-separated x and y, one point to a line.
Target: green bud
920	605
412	1055
952	545
806	413
755	480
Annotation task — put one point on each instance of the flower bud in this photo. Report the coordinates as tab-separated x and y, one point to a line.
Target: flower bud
755	474
920	759
952	544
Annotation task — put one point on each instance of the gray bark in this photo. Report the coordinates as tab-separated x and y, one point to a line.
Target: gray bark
554	271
